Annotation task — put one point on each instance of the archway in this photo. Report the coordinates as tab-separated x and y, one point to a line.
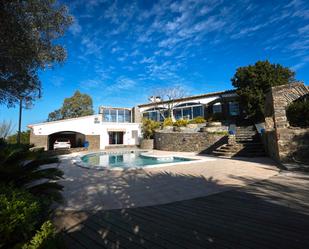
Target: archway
76	139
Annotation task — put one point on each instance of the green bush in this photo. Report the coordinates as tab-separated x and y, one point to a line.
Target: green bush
298	113
45	238
168	122
19	215
197	120
21	168
24	138
215	117
148	128
181	123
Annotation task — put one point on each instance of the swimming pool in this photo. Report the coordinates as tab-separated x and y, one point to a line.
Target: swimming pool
125	160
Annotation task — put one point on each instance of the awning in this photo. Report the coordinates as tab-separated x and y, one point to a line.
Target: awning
116	129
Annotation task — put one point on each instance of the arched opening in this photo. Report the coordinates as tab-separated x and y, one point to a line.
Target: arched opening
297	112
76	139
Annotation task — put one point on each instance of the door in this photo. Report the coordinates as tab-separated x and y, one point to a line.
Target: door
115	137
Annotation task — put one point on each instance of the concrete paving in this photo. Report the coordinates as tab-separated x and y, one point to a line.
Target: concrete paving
89	189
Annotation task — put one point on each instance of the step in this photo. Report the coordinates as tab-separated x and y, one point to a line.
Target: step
246	134
240	154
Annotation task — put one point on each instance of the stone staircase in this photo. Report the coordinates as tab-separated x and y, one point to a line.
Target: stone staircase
246	143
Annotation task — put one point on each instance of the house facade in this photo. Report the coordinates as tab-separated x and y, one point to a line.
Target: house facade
223	106
114	126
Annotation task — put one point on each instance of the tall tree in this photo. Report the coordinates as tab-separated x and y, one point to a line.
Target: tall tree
164	99
76	106
253	81
6	128
28	32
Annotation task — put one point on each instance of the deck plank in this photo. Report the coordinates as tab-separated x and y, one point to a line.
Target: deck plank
267	214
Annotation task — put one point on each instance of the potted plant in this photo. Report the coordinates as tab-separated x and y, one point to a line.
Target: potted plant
148	128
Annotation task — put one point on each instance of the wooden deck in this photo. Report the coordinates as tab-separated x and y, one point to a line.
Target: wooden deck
269	214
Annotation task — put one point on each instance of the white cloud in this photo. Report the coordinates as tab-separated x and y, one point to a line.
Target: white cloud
121	83
75	28
57	81
89	84
304	30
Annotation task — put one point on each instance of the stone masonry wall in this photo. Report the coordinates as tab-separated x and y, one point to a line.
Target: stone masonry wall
282	142
94	141
39	140
188	142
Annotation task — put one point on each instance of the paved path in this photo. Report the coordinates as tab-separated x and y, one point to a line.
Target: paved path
86	189
273	213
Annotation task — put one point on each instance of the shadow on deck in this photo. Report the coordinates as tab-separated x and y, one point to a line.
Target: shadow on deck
273	213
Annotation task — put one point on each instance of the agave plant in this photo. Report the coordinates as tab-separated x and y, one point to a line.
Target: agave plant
24	169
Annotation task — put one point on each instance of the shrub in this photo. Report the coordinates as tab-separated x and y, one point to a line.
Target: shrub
19	215
215	117
45	238
148	128
168	122
21	168
298	113
197	120
181	123
24	138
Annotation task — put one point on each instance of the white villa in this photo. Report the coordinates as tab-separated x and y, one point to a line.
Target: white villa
122	126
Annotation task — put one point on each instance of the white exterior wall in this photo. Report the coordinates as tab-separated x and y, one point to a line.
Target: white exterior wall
88	126
203	101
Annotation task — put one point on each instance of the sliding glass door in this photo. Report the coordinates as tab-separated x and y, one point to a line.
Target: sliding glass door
115	137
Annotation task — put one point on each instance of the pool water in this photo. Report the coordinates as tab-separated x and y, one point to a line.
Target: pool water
126	160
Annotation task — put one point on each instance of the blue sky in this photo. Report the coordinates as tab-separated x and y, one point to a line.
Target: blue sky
120	51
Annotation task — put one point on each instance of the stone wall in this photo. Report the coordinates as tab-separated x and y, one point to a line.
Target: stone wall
94	141
39	140
202	142
293	144
282	142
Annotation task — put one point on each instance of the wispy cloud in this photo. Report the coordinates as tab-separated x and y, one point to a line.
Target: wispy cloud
75	28
57	81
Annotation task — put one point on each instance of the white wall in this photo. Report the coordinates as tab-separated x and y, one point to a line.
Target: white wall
88	126
204	100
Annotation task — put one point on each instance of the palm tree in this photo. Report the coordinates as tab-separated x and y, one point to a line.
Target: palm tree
23	168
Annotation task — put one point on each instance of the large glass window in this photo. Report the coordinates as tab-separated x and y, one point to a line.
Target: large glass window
234	108
106	115
197	111
127	116
113	114
188	111
155	114
217	108
116	115
178	114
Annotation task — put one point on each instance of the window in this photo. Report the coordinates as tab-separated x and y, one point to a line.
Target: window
106	116
217	108
178	114
127	116
115	137
113	114
155	114
188	111
234	108
120	116
116	115
197	111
